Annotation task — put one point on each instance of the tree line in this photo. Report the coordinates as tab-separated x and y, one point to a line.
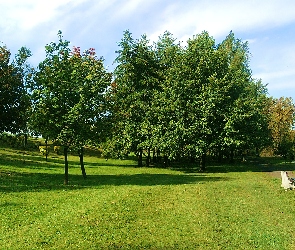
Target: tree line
183	102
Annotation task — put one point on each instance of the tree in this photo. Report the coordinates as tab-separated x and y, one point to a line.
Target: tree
169	56
185	86
26	73
69	104
136	81
89	116
14	99
244	120
281	124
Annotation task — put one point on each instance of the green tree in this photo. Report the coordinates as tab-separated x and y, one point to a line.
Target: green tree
211	103
69	104
281	124
169	56
136	81
243	119
26	73
14	98
187	102
89	116
192	100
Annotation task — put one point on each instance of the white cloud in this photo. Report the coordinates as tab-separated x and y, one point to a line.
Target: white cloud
268	76
219	17
25	15
128	7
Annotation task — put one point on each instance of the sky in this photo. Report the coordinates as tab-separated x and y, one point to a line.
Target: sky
267	25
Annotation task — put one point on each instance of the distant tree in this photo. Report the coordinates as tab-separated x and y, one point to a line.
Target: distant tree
26	72
14	99
281	124
69	103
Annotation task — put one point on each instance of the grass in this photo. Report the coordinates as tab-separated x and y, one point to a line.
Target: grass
120	206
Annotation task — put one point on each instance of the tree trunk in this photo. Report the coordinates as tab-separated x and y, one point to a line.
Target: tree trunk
147	161
257	152
166	161
66	181
203	163
139	158
46	148
220	156
158	156
231	156
154	156
81	156
25	140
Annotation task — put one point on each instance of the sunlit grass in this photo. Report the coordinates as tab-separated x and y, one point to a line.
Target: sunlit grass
121	206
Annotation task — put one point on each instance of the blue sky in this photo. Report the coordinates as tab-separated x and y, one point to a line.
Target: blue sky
268	26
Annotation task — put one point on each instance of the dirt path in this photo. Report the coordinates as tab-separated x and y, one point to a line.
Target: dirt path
277	174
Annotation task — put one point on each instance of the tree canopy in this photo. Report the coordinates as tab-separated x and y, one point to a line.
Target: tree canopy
187	101
69	102
281	124
14	97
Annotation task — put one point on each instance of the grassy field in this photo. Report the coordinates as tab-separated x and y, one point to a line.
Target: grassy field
120	206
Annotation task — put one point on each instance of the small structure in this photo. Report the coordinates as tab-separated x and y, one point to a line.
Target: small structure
56	149
44	150
287	182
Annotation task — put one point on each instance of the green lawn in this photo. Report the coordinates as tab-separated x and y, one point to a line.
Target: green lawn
120	206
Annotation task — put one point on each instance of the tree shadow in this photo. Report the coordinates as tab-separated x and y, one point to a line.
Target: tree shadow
254	164
30	161
9	204
35	182
36	161
109	164
261	164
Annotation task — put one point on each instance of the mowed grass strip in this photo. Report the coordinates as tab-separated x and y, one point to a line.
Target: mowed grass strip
120	206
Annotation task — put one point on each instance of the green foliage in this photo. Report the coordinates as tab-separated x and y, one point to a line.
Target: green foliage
281	124
69	102
69	95
187	101
136	81
14	98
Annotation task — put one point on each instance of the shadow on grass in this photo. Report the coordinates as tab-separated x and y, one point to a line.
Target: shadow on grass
34	182
25	174
31	161
36	161
254	165
259	164
9	204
